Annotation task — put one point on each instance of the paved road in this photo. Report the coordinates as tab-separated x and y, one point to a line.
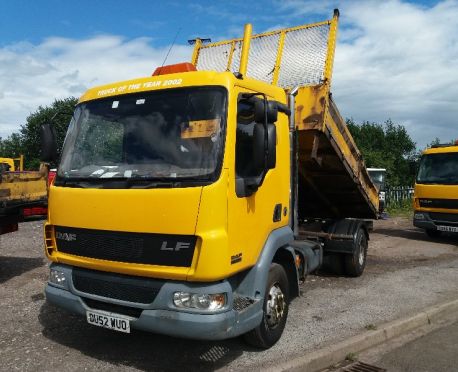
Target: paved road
434	352
406	272
431	348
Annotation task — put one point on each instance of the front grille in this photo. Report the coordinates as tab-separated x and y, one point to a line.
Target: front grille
439	203
113	308
142	248
116	286
446	217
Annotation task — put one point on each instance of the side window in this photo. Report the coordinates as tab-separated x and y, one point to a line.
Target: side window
255	142
244	142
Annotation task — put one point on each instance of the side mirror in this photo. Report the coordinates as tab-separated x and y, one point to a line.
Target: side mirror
48	143
253	110
260	112
259	149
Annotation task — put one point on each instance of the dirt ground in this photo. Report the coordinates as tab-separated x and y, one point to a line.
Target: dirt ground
405	271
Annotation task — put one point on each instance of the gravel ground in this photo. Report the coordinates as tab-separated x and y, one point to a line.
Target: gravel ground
406	271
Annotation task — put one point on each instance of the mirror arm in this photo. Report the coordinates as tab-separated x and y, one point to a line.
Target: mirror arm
283	108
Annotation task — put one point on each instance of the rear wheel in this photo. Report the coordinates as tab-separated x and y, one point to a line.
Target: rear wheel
276	301
433	233
355	263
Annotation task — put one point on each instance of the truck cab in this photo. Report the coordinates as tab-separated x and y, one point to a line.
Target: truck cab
162	187
378	177
436	190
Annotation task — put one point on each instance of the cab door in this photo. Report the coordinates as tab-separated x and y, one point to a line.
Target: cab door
251	218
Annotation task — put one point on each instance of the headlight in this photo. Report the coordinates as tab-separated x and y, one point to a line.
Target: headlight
419	216
199	301
57	277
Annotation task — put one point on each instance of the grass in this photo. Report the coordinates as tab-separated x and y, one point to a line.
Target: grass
402	208
371	327
351	357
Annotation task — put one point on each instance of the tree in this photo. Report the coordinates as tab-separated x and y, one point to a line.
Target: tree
11	147
437	141
59	115
389	146
27	141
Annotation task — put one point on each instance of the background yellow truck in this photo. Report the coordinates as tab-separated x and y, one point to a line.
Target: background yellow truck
436	190
192	202
12	164
19	189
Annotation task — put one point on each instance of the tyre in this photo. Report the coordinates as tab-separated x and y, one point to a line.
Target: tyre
275	310
433	233
355	263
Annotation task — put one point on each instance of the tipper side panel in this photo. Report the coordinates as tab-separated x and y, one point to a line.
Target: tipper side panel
333	180
22	189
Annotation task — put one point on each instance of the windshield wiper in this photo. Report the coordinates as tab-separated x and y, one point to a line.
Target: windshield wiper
71	183
134	182
137	183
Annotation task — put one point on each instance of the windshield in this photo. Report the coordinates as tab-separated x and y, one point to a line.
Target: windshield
439	169
170	135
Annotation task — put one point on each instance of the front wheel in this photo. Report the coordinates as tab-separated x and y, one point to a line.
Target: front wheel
356	262
275	310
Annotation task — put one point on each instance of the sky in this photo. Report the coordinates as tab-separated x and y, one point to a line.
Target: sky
394	59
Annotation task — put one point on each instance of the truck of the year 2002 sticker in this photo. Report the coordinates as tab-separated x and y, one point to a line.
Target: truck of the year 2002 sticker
193	202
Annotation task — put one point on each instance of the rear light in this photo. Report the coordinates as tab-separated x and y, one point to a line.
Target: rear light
35	211
51	176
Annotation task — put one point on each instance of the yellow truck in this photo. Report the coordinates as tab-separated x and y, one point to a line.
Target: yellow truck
19	190
192	202
436	190
12	164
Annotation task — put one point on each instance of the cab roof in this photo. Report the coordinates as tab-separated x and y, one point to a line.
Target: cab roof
441	149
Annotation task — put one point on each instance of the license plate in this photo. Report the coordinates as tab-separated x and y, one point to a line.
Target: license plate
448	228
108	320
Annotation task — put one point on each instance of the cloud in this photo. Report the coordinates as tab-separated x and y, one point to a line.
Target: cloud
301	8
399	60
394	59
33	75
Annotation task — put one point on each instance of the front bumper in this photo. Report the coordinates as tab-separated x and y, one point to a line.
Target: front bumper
160	316
430	221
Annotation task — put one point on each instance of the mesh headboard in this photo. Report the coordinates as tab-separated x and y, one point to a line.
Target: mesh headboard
298	56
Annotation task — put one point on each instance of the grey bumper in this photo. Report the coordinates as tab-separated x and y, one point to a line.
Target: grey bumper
425	222
160	316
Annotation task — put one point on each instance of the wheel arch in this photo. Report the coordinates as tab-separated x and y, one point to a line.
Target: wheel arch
349	227
286	257
276	249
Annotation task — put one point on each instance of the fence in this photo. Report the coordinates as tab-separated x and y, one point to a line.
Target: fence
398	194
